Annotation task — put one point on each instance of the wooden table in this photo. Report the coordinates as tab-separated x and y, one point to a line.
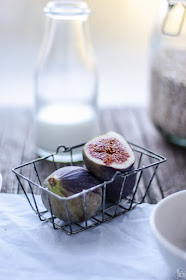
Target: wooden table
17	146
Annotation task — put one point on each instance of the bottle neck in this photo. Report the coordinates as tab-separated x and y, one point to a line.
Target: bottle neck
66	38
69	32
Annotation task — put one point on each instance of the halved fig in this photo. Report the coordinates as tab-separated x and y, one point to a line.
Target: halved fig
65	182
106	154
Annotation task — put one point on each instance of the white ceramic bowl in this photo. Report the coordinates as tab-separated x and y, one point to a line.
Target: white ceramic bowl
168	224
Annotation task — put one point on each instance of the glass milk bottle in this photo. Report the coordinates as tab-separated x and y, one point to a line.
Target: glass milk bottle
167	104
65	80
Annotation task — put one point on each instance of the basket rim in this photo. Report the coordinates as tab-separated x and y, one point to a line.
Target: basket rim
147	152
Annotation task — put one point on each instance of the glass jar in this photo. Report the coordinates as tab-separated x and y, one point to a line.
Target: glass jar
167	104
65	81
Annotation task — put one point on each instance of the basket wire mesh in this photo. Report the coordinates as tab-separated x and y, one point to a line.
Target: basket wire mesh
31	175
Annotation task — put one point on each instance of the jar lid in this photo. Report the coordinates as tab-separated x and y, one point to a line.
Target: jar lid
64	9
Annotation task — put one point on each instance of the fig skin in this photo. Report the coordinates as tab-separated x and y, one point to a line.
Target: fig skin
113	189
67	181
105	168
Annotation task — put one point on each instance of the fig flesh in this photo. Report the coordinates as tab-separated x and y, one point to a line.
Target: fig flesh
65	182
106	154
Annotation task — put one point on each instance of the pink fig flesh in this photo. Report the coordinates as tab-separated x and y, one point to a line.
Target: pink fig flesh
106	154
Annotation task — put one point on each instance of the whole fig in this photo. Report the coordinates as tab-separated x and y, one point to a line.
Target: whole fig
106	154
113	189
67	181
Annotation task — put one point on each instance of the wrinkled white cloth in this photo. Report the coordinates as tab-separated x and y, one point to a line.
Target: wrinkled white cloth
122	248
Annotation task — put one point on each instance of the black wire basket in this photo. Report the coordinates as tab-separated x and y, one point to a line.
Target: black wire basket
31	175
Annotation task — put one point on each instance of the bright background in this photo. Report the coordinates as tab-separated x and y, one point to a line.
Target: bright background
120	33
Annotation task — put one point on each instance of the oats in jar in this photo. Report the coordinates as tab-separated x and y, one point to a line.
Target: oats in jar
168	92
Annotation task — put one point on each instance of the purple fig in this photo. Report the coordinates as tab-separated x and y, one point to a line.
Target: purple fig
106	154
113	189
67	181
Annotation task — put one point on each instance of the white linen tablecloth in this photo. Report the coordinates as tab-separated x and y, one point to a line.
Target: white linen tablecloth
122	248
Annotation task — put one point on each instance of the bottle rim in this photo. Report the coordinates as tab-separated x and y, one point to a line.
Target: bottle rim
66	9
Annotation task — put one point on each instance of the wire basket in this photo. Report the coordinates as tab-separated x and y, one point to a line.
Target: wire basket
31	175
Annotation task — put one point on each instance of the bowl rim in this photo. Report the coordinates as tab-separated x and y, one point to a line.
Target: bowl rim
161	239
